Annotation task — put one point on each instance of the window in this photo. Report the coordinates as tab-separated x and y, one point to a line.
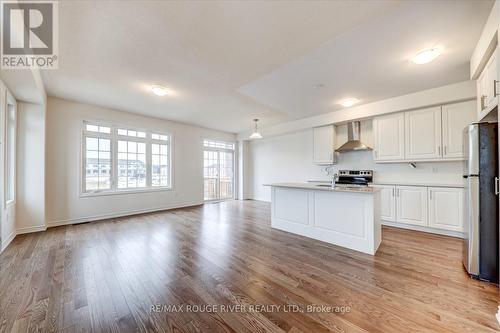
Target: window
97	147
159	160
218	169
10	150
118	159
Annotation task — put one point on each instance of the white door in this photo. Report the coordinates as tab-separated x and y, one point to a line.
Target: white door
455	118
411	207
388	135
323	144
218	170
423	134
387	202
446	209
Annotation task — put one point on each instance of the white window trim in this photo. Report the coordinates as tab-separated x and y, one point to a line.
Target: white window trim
114	137
9	99
208	148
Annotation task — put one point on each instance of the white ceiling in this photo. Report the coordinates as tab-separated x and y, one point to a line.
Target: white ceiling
230	61
372	61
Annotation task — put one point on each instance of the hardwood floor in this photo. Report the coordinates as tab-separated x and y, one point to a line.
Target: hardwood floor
106	276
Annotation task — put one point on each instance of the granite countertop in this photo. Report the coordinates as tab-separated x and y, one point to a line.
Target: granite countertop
401	183
418	184
310	186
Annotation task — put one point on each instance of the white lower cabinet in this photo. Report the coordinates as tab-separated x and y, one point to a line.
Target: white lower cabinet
411	203
428	207
387	202
446	210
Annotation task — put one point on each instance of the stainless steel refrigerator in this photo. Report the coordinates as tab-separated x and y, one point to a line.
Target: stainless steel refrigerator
481	250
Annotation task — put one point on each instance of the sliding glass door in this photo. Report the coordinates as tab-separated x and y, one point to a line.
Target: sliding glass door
218	170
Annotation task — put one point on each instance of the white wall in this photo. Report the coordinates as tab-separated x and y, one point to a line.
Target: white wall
8	212
30	208
63	201
288	158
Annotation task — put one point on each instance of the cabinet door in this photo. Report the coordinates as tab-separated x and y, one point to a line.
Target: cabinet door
411	205
446	210
491	83
387	202
455	118
388	135
481	96
323	143
423	134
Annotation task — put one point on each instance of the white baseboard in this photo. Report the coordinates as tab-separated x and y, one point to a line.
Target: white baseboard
7	240
27	230
424	229
119	214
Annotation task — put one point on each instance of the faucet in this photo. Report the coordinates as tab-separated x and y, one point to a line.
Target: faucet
335	178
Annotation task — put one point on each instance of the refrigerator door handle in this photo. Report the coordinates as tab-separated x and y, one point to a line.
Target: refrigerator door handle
496	186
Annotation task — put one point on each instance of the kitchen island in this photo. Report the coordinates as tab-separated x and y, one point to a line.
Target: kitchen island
348	217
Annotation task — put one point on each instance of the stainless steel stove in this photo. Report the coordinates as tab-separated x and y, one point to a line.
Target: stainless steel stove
354	178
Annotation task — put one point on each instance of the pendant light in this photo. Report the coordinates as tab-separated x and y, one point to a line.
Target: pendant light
256	134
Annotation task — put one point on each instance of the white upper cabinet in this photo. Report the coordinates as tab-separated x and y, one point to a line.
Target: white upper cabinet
487	87
446	208
491	82
411	205
423	134
323	144
455	118
388	135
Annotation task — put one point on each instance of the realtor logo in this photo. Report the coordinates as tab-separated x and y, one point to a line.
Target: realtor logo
29	34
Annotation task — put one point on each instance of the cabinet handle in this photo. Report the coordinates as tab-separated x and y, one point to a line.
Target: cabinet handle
496	186
376	154
445	150
483	98
430	194
393	192
495	82
439	150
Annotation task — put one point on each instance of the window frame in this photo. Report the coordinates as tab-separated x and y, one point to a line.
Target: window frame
220	150
10	100
114	137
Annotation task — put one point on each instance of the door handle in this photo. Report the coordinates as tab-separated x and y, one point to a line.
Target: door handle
495	82
496	186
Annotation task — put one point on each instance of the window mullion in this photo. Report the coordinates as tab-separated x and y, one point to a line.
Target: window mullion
114	160
149	174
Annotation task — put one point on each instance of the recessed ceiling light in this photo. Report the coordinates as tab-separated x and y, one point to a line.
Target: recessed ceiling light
426	56
318	86
159	90
348	102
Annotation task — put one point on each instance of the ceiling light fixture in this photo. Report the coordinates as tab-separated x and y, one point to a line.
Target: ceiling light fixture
426	56
159	90
348	102
256	134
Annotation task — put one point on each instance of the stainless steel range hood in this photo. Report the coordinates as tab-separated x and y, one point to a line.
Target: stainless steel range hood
353	139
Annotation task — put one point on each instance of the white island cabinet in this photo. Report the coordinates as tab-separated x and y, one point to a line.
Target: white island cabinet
346	217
